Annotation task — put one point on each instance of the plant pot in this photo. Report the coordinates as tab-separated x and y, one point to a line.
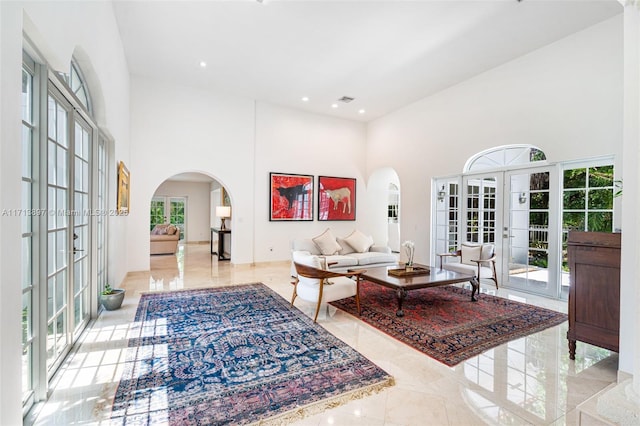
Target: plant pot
112	301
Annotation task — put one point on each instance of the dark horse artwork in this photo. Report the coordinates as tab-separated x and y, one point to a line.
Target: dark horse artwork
290	196
291	193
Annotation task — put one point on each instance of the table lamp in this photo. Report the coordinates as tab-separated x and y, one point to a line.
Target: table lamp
223	212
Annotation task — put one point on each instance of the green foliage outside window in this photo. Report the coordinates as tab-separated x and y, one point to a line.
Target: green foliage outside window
587	202
157	213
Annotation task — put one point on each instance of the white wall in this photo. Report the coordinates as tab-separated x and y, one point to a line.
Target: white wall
289	141
96	41
565	98
181	129
10	177
198	207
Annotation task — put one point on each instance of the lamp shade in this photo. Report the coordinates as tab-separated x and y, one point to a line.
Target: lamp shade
223	211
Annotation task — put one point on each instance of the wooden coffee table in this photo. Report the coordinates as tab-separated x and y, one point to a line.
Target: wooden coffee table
402	285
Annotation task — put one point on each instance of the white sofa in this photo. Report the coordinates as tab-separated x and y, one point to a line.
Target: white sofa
346	256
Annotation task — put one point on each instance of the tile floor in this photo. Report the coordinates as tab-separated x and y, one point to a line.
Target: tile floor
526	381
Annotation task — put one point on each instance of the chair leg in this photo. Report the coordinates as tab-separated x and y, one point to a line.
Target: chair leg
321	286
495	275
295	293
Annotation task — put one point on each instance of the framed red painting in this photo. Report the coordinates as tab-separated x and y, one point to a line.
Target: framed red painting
290	197
336	198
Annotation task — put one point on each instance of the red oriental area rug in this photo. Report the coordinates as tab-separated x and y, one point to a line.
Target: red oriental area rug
445	324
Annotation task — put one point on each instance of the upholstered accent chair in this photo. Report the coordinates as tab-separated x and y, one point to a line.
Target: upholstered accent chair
315	284
472	258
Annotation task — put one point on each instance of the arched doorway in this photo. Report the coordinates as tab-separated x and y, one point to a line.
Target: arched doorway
384	204
190	201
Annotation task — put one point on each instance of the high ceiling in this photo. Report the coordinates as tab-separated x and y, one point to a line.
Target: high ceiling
385	54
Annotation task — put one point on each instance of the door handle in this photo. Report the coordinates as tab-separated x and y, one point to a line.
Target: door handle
75	250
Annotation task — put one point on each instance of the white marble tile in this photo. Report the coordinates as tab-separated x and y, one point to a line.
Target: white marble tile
526	381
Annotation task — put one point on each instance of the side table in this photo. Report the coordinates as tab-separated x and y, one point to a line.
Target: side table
221	237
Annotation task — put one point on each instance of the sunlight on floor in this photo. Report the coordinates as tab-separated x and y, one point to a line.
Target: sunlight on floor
526	381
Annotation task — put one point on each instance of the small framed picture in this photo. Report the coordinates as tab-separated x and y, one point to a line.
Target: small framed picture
290	197
122	203
336	198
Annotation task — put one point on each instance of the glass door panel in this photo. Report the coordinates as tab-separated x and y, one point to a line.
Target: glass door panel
58	243
177	214
531	245
81	225
446	201
482	206
157	214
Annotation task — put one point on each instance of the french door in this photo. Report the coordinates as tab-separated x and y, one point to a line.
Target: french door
169	210
515	210
68	171
531	250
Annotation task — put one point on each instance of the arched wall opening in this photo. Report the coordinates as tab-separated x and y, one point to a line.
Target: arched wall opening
384	201
189	200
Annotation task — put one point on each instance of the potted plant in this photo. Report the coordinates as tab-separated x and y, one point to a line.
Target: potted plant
111	298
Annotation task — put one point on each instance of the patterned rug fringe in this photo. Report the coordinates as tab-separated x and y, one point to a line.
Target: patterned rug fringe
318	407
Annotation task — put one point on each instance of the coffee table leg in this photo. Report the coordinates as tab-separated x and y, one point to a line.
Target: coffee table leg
476	289
401	293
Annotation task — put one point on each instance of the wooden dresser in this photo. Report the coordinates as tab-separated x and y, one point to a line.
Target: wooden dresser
594	295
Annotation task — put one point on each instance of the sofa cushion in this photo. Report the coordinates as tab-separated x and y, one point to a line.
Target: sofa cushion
346	248
469	253
327	243
487	251
164	237
339	261
305	244
171	229
159	229
359	241
468	269
372	257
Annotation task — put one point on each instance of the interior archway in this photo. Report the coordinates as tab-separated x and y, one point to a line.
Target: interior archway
189	200
384	205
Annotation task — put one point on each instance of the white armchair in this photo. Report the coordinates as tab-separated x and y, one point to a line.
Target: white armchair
472	258
314	284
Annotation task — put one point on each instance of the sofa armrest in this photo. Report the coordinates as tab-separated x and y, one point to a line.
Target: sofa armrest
380	249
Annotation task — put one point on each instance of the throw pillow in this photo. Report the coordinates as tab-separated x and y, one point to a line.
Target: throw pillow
327	243
159	230
346	248
469	253
360	242
171	229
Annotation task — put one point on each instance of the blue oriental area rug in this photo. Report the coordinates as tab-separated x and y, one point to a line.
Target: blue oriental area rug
234	355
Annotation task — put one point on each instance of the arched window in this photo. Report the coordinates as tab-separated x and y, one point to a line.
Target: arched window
76	82
502	156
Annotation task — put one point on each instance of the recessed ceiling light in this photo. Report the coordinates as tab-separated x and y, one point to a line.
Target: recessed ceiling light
361	111
203	64
334	105
305	99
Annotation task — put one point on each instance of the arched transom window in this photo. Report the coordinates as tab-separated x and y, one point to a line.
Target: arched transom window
503	156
